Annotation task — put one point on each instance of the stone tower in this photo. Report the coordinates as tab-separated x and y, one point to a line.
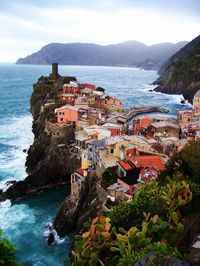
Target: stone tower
54	73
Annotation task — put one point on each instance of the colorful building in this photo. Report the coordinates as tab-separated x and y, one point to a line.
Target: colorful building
138	169
115	129
71	88
76	181
141	125
67	98
184	118
196	100
67	115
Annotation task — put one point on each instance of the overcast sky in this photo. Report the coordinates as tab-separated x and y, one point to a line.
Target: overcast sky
27	25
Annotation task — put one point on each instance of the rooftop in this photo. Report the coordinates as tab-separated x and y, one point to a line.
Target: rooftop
69	107
99	143
154	161
164	124
197	94
112	125
113	140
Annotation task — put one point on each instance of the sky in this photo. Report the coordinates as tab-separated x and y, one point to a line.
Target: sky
27	25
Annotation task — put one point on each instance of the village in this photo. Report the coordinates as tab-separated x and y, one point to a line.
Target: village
133	144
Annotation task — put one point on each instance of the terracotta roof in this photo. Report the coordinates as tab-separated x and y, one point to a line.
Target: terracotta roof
154	161
81	171
144	122
125	165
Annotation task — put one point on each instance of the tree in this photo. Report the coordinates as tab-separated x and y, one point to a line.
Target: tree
7	253
186	162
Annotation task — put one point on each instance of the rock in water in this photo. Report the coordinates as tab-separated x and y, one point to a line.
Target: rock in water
51	239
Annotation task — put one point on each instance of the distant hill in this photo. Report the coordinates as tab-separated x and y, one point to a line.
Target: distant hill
181	73
130	53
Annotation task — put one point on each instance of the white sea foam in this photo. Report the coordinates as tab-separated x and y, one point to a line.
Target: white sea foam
16	133
16	216
4	185
5	204
49	229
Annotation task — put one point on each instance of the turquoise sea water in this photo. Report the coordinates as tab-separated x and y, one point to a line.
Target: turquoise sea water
24	223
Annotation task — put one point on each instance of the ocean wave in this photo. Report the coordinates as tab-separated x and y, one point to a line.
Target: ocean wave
15	136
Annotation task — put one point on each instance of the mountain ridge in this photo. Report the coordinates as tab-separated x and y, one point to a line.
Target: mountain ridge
129	53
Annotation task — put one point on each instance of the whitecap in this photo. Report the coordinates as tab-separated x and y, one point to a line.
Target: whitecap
49	229
5	184
5	204
16	134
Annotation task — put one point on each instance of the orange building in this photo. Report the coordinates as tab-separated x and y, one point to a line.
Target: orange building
67	115
109	102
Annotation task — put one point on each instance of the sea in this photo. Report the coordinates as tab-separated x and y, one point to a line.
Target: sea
25	222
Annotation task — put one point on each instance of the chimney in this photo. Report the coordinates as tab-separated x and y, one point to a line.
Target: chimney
55	74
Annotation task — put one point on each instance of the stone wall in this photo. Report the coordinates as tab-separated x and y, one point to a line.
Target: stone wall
65	132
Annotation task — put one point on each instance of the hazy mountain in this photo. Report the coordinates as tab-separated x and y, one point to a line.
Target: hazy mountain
181	73
130	53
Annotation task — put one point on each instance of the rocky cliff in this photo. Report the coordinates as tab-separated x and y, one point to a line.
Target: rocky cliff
181	74
76	209
48	161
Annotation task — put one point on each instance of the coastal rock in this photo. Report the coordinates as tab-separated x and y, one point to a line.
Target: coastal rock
181	74
75	211
48	161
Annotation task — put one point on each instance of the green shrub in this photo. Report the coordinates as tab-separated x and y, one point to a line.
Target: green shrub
7	253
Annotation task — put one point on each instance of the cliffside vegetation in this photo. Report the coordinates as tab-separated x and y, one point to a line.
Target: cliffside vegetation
7	253
147	230
181	74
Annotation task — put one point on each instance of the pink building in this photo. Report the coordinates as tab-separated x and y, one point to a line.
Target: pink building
67	115
67	98
71	88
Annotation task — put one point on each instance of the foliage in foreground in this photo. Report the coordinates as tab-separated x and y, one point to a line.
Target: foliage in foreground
145	231
106	244
7	253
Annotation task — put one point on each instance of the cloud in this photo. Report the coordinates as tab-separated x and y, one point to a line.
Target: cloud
25	26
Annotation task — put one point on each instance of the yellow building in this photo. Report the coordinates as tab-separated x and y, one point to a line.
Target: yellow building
196	100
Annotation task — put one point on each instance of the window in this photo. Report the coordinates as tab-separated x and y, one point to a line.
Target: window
61	119
112	151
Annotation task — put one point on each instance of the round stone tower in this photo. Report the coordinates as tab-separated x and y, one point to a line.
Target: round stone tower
54	73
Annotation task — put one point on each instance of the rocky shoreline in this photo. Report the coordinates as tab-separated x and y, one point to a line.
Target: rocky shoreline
181	73
50	161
